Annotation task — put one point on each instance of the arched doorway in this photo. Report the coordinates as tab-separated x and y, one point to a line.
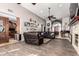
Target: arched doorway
57	27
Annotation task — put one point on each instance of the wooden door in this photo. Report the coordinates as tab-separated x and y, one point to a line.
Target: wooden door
4	28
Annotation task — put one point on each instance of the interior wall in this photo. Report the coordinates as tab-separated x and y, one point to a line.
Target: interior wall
65	23
23	13
48	22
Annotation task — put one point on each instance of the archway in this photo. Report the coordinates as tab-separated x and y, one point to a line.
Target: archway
57	27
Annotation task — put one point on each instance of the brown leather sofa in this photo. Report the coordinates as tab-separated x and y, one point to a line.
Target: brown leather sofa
33	38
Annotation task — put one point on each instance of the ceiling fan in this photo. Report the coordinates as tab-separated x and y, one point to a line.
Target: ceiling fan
50	16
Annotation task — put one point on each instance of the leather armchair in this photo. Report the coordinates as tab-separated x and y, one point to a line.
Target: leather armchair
33	38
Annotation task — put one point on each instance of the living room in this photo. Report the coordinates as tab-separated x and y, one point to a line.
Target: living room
39	28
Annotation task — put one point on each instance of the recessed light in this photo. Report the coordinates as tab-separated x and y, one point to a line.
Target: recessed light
60	5
41	11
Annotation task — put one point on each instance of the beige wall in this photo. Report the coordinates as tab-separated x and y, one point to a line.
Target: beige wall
22	13
65	23
48	21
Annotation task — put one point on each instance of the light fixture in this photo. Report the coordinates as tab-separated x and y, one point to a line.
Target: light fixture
18	3
33	3
50	16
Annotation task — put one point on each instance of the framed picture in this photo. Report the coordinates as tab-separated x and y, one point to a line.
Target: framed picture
26	24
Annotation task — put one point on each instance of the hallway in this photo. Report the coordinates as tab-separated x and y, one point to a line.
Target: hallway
56	47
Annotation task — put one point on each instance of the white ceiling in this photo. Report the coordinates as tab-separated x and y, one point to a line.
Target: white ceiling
59	10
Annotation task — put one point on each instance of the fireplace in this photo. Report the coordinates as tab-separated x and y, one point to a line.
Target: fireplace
76	40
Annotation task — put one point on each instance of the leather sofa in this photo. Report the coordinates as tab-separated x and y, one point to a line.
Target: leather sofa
33	38
50	35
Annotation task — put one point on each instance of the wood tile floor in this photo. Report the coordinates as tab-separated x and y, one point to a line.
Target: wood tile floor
56	47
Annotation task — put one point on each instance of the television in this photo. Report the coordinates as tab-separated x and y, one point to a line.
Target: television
73	10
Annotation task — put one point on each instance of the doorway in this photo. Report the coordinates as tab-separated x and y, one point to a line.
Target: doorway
56	28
